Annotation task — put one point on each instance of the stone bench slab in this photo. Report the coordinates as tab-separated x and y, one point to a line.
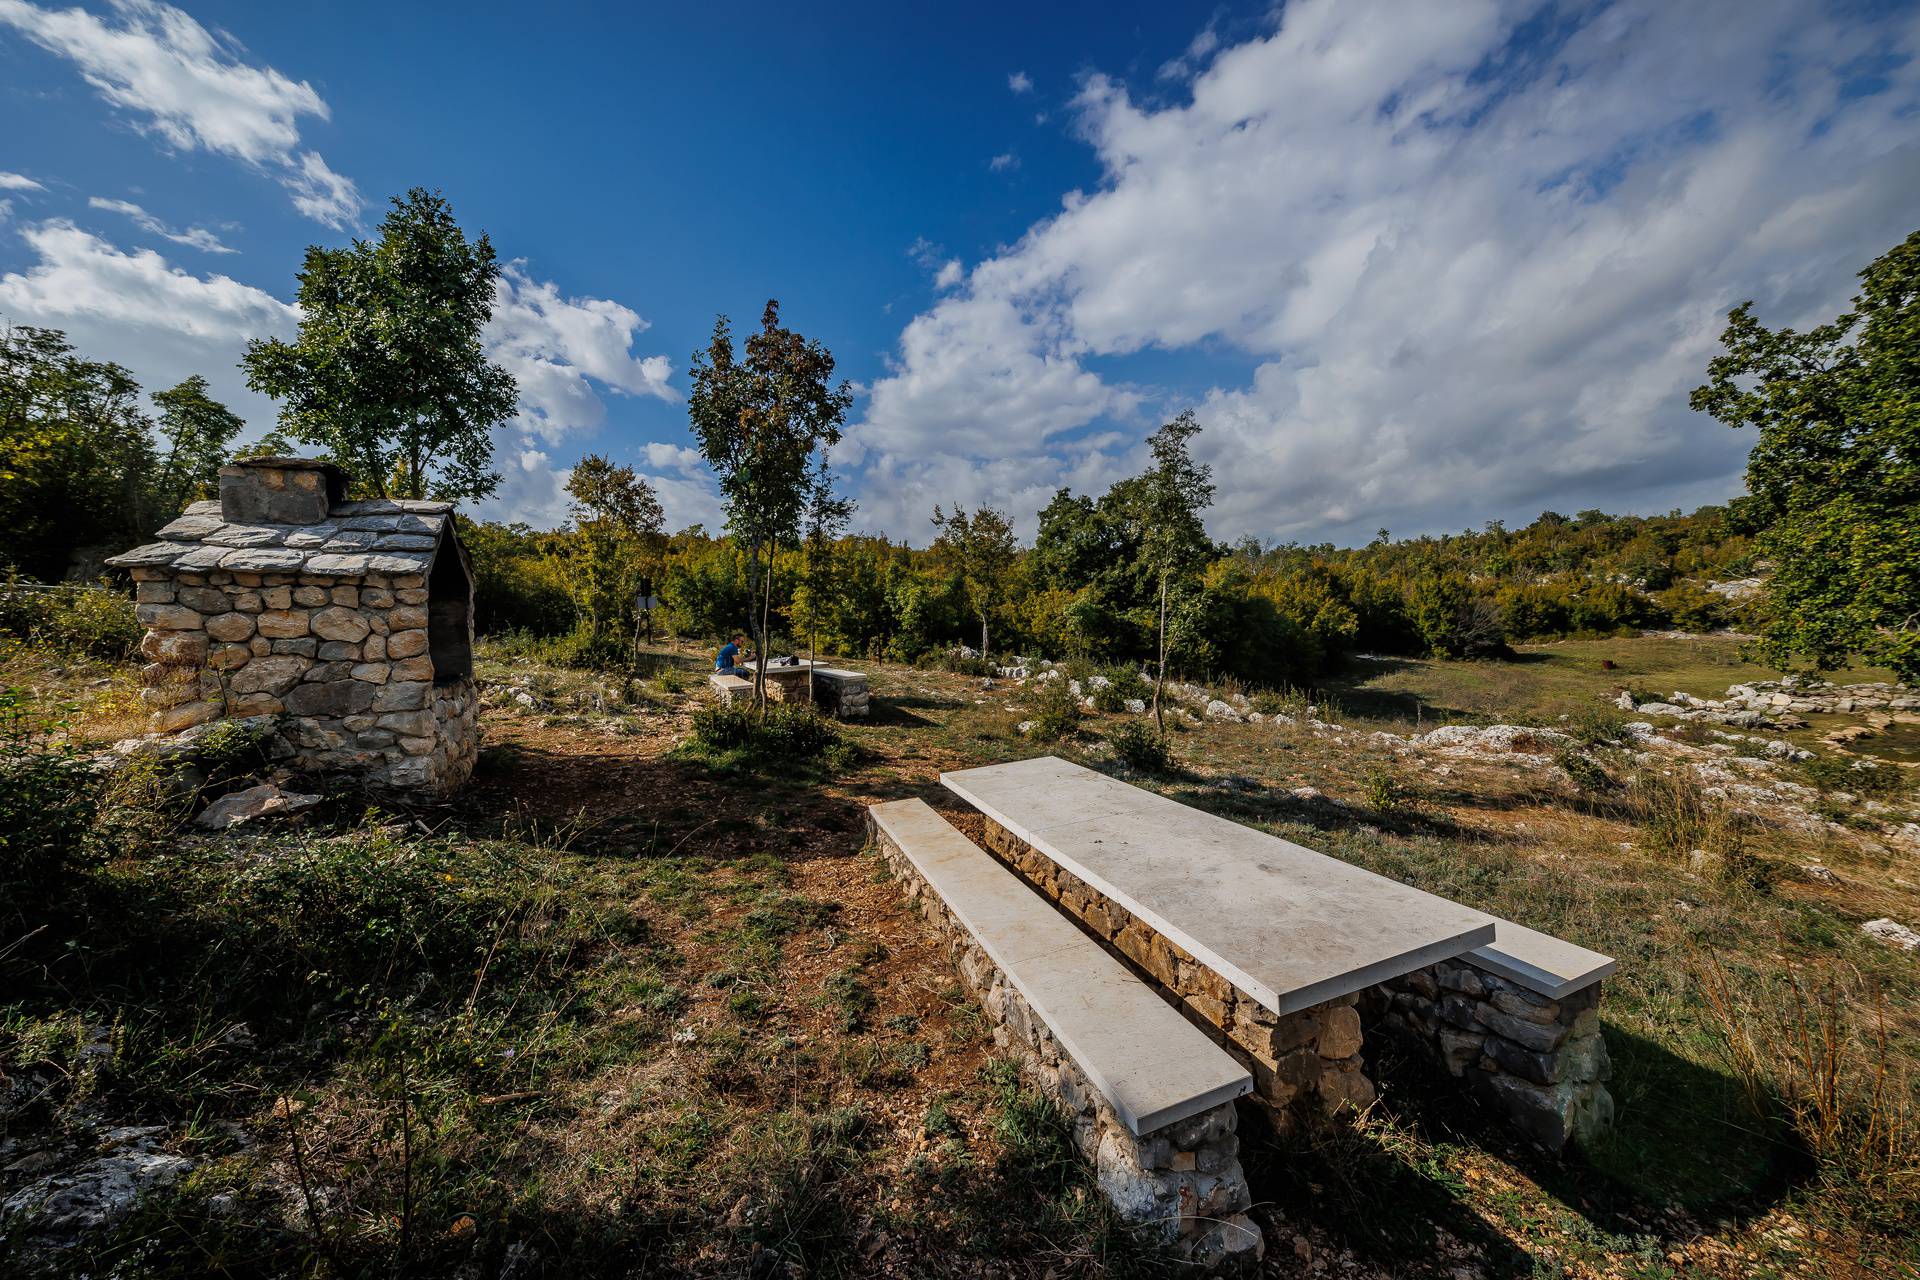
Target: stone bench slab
1153	1066
1540	962
1290	927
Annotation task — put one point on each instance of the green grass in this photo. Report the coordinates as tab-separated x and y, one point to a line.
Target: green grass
1547	681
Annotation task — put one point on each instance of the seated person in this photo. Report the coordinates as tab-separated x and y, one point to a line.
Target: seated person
727	661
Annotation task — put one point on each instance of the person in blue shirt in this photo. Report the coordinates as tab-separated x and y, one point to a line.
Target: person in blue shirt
727	661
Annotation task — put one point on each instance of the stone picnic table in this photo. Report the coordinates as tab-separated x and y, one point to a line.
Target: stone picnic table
1275	945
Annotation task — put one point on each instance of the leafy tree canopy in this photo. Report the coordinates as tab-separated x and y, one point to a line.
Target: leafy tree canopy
388	374
1836	468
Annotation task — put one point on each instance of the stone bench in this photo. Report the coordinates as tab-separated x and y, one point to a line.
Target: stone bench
840	692
730	688
1278	947
1519	1020
1151	1096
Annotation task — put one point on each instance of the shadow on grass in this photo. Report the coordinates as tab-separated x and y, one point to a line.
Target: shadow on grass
1685	1139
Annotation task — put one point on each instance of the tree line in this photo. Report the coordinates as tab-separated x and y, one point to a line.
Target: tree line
388	378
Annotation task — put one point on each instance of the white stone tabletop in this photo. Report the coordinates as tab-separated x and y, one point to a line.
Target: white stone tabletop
1290	927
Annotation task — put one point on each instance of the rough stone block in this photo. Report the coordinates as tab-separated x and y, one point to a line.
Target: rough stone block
402	695
338	623
407	644
153	593
323	672
347	597
229	657
185	716
310	597
230	627
277	597
339	651
414	669
275	674
279	624
177	648
167	617
1540	1037
1339	1033
372	672
300	646
404	617
421	724
338	698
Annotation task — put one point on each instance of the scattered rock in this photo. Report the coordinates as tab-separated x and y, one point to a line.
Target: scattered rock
1893	933
96	1193
252	805
1815	872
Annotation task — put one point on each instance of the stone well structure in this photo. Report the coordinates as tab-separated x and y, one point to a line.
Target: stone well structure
351	621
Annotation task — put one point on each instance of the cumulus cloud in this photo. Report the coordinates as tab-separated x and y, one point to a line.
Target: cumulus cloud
1469	269
195	91
559	349
165	323
1020	82
18	182
1004	161
193	237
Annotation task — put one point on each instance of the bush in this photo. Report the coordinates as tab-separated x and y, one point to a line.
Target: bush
1860	777
49	796
792	730
1057	713
1677	816
1587	774
1385	792
576	649
96	621
1141	747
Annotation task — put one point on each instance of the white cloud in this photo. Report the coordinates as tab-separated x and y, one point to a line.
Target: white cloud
195	91
1004	161
950	274
81	277
18	182
558	348
674	457
1020	82
1458	293
193	237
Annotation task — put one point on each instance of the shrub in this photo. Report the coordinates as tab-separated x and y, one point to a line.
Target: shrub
1138	744
1385	792
789	729
1861	777
1599	727
1057	713
1676	815
49	796
1587	774
96	621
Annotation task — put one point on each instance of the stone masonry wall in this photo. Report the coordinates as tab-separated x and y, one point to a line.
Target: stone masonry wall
1540	1062
345	665
1182	1183
1308	1059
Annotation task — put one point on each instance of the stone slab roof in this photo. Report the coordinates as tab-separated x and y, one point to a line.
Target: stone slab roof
379	535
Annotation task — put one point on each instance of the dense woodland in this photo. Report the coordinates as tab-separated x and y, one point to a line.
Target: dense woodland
1082	589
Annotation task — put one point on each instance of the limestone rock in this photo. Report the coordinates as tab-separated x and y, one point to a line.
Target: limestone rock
1893	933
252	805
340	623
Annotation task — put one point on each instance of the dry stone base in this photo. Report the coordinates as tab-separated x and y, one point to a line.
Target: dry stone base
1302	1063
343	667
1181	1184
1540	1062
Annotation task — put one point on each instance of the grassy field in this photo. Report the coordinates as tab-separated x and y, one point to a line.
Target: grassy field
636	1004
1546	681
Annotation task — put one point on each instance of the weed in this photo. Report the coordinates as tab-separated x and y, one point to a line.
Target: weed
49	796
1587	774
1676	815
1858	777
1599	727
1385	792
1056	712
1141	747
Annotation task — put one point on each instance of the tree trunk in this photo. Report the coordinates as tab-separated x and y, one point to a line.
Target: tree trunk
766	612
983	639
1160	676
753	621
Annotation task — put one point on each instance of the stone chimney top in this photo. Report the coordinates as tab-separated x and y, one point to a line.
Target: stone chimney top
280	490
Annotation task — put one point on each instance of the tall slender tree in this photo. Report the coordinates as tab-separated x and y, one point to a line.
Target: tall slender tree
1165	503
615	513
389	374
980	548
760	417
827	516
198	429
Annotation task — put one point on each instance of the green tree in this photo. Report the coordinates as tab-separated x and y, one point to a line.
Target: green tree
615	514
1165	503
75	453
760	419
980	549
1837	468
198	429
388	373
818	594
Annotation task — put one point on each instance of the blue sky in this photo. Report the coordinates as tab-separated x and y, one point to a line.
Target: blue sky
1413	267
